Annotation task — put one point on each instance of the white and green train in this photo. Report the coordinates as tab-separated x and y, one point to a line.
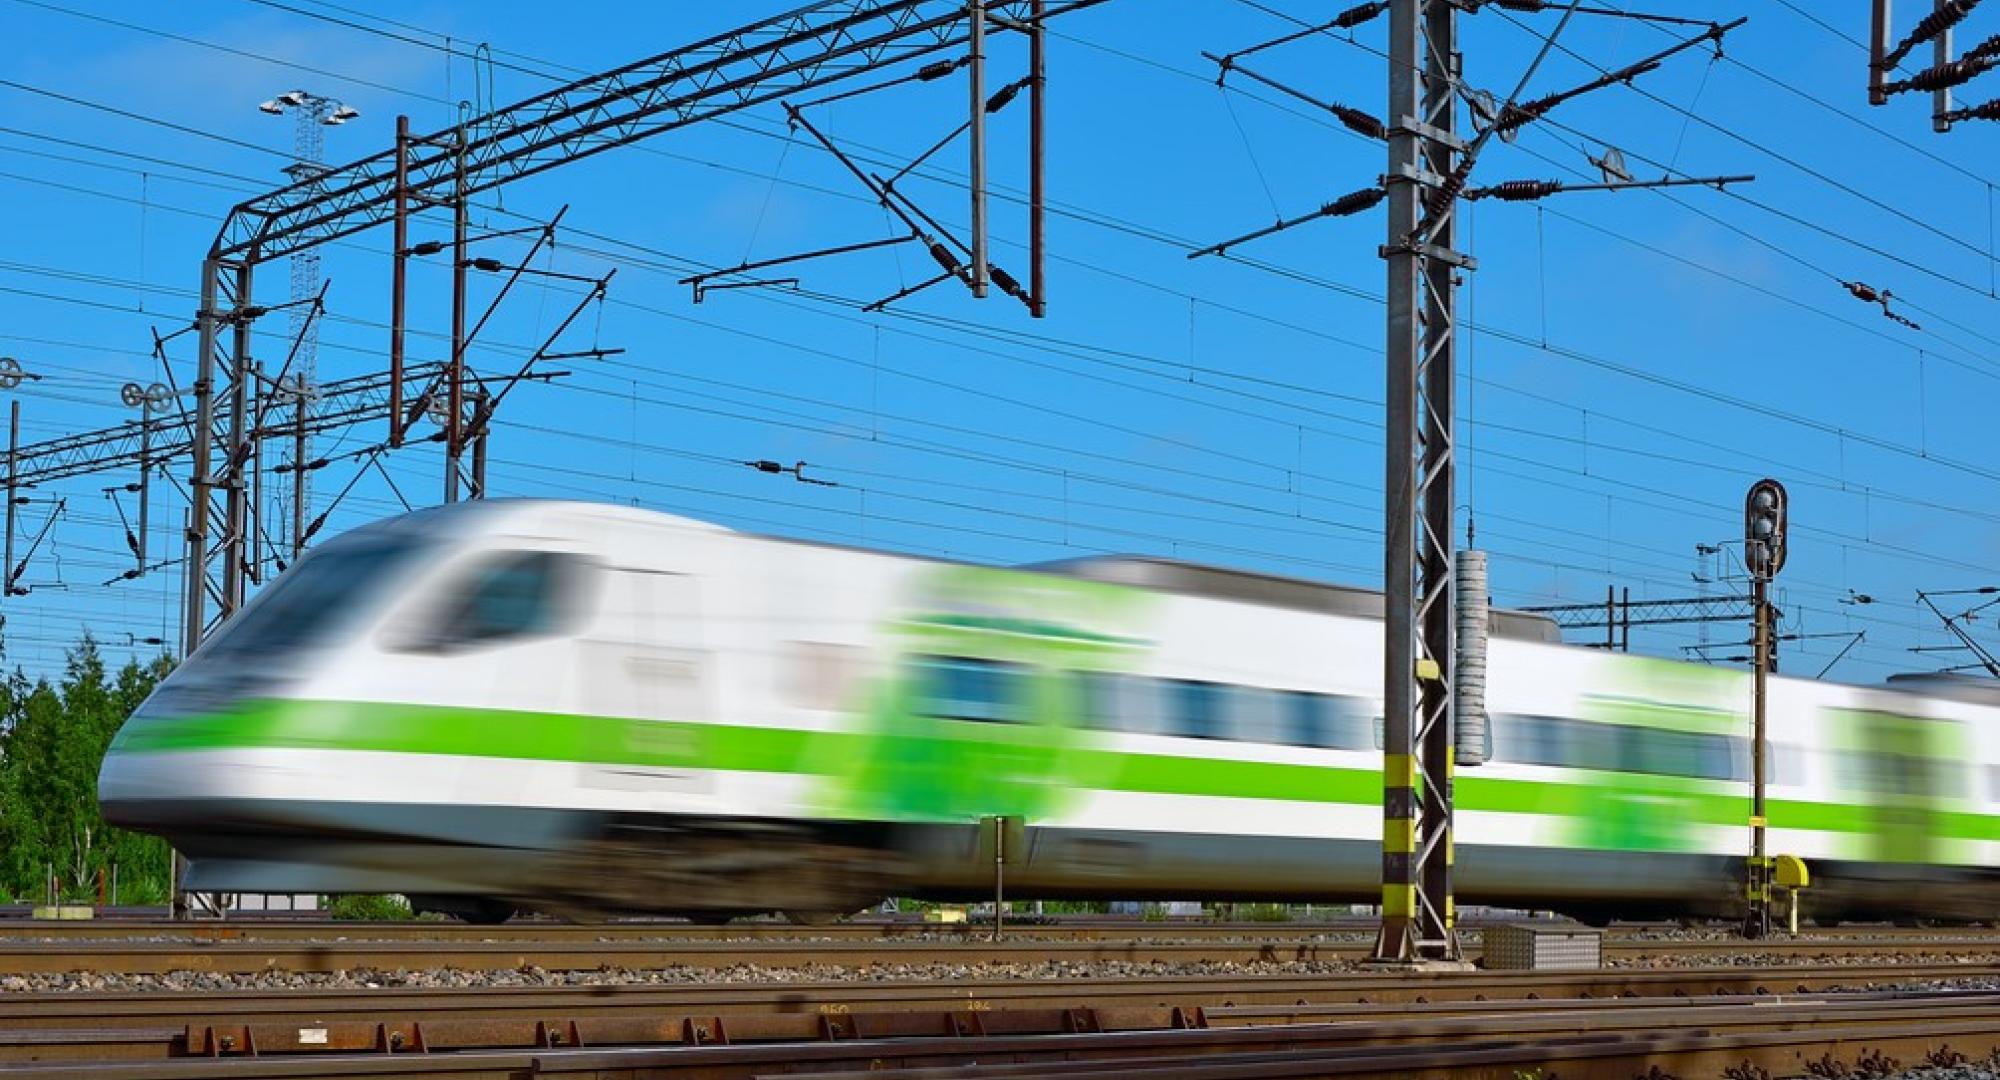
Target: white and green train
587	708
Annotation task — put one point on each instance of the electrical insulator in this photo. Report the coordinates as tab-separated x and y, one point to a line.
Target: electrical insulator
1004	95
1518	190
1360	13
766	465
1943	76
1937	22
1941	19
947	259
1360	122
1514	117
1864	293
1354	202
1530	6
1442	196
1985	50
1988	111
936	69
1006	283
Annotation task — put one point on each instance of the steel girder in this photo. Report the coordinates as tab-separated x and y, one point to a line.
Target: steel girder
160	439
804	48
811	46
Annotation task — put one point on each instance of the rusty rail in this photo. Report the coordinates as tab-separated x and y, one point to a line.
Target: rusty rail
1828	1035
292	928
240	957
156	1025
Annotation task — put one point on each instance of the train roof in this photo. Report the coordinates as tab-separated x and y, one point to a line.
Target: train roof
1138	571
1275	590
1977	689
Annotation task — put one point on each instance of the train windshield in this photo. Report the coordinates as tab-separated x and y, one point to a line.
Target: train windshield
312	600
515	594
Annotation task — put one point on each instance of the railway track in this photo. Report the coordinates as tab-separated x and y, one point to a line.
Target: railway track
1327	1033
246	957
298	929
53	1011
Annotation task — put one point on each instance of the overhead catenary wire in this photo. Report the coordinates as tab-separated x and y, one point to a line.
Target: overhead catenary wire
547	77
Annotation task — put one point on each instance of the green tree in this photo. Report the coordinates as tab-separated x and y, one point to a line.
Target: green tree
53	740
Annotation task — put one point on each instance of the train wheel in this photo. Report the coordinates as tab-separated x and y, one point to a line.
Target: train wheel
710	918
477	910
487	912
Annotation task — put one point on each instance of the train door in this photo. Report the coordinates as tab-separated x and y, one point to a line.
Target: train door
1905	771
644	675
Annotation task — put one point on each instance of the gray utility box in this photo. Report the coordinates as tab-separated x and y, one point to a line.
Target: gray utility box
1532	947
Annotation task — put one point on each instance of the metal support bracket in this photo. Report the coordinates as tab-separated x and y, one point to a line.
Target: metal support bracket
1430	251
1410	125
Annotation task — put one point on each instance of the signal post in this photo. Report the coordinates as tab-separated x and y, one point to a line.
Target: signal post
1764	514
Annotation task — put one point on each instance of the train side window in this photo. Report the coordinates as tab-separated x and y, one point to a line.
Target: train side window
1097	700
516	595
1304	716
1661	753
1330	721
1196	708
965	688
1526	740
1255	714
1718	757
1580	744
1116	701
1604	747
1691	754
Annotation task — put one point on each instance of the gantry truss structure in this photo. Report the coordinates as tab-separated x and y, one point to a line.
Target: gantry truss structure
1619	613
808	47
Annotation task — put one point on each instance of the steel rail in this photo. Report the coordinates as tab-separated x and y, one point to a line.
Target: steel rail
286	928
1347	1023
145	957
55	1010
1587	1038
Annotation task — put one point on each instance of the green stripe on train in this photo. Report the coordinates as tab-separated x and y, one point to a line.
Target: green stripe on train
1600	797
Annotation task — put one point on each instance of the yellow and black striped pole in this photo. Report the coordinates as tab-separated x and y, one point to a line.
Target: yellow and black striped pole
1418	572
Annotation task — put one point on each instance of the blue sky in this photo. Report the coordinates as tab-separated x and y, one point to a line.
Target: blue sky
1634	359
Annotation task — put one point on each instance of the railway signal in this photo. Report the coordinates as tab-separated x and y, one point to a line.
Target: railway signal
1764	523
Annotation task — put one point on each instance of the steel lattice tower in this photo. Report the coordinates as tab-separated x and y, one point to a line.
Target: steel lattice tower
311	115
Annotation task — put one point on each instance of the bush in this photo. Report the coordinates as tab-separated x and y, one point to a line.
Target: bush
369	907
53	737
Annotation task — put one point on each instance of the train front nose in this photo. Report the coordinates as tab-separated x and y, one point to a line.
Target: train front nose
177	763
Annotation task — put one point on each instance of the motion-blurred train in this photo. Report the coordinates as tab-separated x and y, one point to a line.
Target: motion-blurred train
588	709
